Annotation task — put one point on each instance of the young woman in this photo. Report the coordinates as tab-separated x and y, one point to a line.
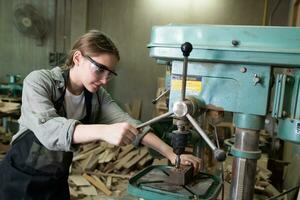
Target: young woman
65	107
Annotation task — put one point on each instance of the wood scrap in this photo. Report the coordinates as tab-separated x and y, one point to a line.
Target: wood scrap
94	180
142	153
95	162
73	192
125	150
109	174
125	159
86	153
144	160
88	190
271	190
107	156
89	163
8	107
109	182
79	180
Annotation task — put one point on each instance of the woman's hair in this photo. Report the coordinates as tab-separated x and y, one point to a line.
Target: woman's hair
92	43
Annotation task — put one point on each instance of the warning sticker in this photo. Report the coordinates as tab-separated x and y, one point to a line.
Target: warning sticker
193	84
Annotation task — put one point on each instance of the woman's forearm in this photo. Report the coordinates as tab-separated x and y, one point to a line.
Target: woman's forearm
88	133
154	142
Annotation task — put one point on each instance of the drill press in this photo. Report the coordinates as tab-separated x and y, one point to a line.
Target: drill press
179	178
230	69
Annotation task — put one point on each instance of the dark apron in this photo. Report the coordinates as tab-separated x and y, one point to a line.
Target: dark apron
29	171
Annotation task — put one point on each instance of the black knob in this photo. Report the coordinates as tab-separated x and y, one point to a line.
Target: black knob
235	43
186	49
220	155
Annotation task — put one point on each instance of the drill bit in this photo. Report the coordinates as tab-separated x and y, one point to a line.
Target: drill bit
177	161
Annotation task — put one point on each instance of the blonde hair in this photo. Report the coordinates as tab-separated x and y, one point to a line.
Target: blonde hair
92	43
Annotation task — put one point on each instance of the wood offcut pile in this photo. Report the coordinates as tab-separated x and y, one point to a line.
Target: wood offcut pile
102	168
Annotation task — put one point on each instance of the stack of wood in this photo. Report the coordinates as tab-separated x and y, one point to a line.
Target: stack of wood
101	168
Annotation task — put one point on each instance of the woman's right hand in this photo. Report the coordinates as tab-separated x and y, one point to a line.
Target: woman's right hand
121	134
116	134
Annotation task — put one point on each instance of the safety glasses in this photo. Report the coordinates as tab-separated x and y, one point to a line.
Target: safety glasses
101	70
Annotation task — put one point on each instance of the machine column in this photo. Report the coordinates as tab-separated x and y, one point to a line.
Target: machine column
246	153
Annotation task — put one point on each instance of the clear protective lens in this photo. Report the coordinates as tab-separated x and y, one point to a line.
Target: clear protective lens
100	72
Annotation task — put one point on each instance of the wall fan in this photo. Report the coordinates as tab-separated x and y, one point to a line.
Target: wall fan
30	22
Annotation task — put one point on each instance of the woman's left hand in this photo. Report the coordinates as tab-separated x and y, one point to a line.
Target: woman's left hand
189	159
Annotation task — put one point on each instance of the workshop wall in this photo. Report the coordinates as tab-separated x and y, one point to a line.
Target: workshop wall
20	54
129	24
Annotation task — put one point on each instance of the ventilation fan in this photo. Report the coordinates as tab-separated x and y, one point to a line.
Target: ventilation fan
30	23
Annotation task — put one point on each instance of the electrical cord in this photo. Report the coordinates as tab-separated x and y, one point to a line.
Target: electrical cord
283	193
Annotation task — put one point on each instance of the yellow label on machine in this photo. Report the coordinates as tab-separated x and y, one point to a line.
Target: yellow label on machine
192	86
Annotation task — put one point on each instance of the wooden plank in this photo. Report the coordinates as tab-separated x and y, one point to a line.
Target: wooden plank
125	159
73	192
109	174
125	150
143	152
88	190
109	182
90	163
271	190
94	180
78	180
85	155
8	107
106	156
109	167
143	161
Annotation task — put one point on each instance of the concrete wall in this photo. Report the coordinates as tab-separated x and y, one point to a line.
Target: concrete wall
129	24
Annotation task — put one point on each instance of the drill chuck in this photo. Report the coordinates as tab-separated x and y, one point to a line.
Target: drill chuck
179	142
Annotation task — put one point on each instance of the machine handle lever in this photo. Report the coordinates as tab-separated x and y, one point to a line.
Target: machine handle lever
186	49
219	154
160	96
155	119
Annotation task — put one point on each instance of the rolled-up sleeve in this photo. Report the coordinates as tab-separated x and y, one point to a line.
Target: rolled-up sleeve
39	115
111	111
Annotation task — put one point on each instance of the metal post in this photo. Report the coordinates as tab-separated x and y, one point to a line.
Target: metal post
243	169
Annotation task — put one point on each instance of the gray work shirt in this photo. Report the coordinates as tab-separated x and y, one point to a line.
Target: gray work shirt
43	87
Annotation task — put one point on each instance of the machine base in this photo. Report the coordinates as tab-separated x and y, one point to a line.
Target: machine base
151	184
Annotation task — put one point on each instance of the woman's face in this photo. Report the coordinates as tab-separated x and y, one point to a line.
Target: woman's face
96	71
